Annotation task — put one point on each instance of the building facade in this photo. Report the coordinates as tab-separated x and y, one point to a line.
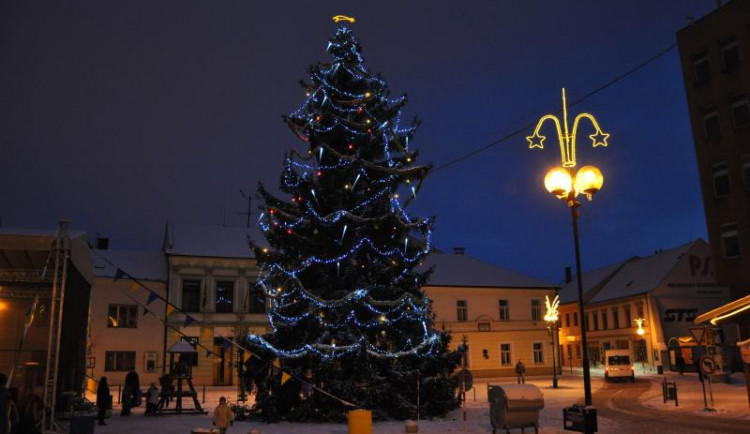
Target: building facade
211	276
123	332
645	305
715	58
499	313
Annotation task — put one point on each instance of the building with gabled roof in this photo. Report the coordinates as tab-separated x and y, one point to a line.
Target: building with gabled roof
666	291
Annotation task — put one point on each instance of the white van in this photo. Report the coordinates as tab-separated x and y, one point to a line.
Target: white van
618	364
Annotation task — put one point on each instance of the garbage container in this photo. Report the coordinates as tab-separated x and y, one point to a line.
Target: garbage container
514	406
360	421
660	370
82	423
580	418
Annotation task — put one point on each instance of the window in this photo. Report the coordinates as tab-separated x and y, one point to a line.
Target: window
730	240
711	127
702	69
122	316
746	175
587	324
596	321
720	174
462	310
570	352
505	354
575	319
191	295
536	309
538	353
628	322
639	308
741	112
224	296
605	322
257	302
567	320
578	351
191	358
504	310
730	56
115	361
615	319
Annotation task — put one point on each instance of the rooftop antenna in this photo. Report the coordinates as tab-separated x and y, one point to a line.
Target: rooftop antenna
249	206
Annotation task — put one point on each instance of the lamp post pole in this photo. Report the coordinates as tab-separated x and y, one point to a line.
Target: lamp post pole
553	333
573	204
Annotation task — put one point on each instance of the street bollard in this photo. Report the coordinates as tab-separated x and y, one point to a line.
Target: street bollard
204	394
119	394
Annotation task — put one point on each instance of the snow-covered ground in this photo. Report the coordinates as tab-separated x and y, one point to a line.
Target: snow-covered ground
730	401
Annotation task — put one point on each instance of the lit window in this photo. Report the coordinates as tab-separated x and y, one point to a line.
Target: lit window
702	69
720	174
122	316
505	359
730	56
741	112
711	126
504	310
462	310
730	240
538	354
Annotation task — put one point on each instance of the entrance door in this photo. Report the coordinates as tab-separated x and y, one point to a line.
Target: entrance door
222	366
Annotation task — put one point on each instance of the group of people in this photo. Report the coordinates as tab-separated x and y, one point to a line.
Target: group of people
131	397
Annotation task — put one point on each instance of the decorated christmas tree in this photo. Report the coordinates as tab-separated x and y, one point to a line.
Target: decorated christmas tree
351	325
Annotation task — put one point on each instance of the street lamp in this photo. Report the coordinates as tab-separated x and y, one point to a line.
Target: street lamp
566	183
642	343
551	317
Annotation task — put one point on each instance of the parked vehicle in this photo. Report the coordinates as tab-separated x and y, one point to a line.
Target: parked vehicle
618	364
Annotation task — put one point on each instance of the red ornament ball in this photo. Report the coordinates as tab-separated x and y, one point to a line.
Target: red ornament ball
319	173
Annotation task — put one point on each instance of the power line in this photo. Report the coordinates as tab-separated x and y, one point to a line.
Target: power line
528	127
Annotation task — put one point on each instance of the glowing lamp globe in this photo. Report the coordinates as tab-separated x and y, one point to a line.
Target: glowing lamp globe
589	180
558	182
641	332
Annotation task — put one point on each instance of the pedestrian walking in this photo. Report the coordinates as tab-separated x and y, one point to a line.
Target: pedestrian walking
4	405
152	400
680	361
520	372
102	399
223	416
130	392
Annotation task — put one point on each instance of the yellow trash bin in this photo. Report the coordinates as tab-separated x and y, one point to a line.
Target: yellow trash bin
360	422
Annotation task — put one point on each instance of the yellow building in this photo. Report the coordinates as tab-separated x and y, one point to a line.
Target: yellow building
500	313
211	276
664	291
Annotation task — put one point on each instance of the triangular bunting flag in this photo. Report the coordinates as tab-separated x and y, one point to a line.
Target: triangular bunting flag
285	377
170	309
119	274
209	353
152	297
188	320
134	287
146	311
227	344
246	356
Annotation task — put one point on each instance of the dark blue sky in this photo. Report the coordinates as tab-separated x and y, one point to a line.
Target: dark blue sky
122	115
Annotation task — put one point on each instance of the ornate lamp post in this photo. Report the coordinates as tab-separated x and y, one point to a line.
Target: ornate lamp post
551	318
566	183
642	345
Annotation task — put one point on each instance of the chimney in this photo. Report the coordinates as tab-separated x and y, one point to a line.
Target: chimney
459	250
102	243
568	275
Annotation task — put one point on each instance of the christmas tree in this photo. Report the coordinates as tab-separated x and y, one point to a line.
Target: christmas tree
348	314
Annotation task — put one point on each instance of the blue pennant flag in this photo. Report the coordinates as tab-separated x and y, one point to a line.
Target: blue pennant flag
119	274
152	297
227	344
146	311
188	320
209	353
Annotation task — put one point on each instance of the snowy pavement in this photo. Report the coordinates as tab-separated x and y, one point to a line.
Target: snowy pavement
730	401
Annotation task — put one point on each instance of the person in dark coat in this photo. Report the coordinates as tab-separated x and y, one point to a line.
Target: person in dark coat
130	391
520	372
4	405
102	399
680	361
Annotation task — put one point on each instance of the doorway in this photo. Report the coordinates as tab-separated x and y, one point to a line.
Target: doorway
222	366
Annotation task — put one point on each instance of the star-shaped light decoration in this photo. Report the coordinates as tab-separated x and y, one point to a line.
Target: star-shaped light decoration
536	141
599	138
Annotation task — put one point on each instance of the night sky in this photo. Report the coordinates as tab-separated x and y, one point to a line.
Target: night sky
123	115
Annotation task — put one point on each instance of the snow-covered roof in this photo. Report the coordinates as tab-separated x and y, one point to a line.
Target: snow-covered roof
462	270
139	264
626	278
641	275
212	241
